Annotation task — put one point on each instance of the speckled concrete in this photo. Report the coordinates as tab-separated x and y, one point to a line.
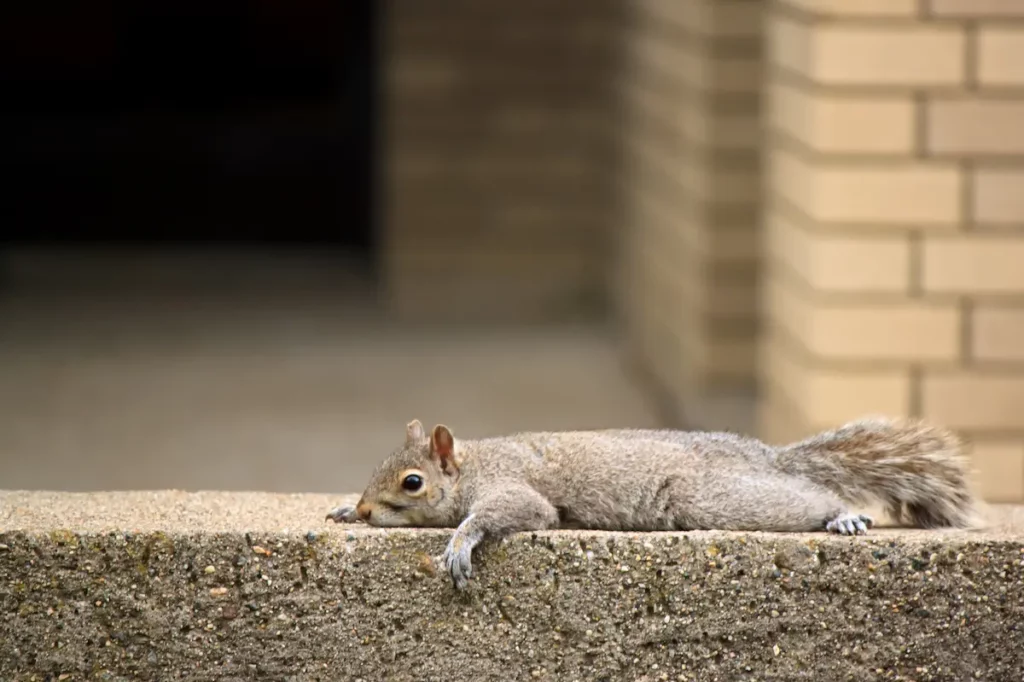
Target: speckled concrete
220	586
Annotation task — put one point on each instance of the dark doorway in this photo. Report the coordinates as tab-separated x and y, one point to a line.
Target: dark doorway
189	123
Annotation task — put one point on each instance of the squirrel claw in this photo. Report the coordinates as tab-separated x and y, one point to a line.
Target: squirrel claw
343	514
850	524
457	561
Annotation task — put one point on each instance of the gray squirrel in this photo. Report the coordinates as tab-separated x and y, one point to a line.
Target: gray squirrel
659	480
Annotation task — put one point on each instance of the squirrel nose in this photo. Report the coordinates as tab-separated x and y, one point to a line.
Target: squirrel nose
363	510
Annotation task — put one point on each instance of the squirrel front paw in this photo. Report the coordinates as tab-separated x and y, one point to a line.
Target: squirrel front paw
850	524
458	560
346	513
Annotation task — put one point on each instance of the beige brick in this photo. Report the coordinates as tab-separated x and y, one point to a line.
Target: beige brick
705	243
1001	56
890	56
825	397
979	264
702	70
858	8
727	299
999	196
725	131
840	54
999	470
708	16
976	126
788	44
844	123
723	357
907	331
978	8
706	183
778	423
998	333
975	401
907	194
838	263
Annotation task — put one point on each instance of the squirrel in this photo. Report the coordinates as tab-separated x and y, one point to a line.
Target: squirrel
661	480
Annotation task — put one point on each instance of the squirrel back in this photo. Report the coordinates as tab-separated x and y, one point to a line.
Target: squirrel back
916	469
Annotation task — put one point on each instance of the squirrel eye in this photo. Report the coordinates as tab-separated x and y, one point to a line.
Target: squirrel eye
412	483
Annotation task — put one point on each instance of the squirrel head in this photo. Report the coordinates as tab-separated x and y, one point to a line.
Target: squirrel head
414	485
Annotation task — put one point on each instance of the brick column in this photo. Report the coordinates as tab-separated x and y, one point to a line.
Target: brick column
498	154
895	221
691	247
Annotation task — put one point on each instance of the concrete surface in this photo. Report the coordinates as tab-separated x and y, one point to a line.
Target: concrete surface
228	586
195	375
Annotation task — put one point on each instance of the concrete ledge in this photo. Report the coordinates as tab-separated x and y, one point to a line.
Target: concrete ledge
225	586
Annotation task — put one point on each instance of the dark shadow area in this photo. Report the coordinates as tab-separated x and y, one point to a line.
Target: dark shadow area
236	123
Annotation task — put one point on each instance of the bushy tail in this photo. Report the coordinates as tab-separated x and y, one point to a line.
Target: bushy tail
917	470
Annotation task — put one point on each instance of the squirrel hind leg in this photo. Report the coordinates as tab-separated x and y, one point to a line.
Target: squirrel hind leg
895	511
928	516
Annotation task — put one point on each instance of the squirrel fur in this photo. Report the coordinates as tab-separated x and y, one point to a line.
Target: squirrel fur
659	480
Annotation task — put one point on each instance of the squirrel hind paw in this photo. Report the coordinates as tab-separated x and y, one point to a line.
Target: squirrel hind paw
850	524
343	514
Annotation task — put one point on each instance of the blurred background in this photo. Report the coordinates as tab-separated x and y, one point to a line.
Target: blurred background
245	242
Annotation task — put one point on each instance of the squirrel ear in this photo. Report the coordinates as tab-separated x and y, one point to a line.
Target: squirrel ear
442	445
414	431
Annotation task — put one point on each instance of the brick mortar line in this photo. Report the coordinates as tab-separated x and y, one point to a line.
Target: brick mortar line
785	273
820	230
967	333
967	195
971	82
774	329
777	201
931	232
953	91
915	267
779	138
924	16
915	398
921	120
773	266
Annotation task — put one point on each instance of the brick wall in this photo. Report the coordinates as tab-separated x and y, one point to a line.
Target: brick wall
690	245
499	156
895	221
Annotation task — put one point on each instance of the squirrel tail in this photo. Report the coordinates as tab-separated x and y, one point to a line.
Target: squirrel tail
917	470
